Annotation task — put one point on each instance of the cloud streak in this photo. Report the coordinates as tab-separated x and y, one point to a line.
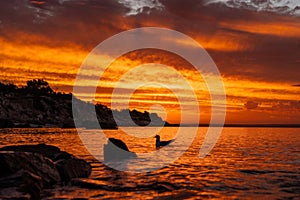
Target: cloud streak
139	6
251	105
290	7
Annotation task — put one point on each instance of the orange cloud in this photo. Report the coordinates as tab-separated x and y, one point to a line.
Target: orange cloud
289	28
20	62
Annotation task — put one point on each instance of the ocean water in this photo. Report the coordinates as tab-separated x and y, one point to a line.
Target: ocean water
246	163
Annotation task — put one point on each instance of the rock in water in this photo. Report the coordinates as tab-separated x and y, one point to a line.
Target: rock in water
26	169
48	151
68	166
11	162
21	185
73	168
119	143
116	149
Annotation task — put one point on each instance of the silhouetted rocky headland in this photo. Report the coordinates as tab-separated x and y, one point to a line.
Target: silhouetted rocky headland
37	105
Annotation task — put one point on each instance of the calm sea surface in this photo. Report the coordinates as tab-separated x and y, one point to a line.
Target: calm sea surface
246	163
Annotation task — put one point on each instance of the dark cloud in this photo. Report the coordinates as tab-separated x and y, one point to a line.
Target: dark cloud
139	6
271	105
86	23
287	106
251	105
295	104
290	7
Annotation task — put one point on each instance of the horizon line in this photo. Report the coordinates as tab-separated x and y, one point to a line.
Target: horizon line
262	125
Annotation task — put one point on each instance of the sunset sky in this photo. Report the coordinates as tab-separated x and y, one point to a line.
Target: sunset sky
256	48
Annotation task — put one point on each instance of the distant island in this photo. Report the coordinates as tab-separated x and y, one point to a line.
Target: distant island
37	105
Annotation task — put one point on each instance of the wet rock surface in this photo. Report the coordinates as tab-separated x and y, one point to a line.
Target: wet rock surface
35	163
72	168
25	170
21	185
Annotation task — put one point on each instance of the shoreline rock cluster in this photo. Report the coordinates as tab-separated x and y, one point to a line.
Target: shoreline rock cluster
26	170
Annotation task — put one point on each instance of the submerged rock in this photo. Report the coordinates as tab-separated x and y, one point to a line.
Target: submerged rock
26	169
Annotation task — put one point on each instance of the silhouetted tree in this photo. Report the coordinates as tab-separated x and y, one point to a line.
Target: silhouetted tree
6	88
38	86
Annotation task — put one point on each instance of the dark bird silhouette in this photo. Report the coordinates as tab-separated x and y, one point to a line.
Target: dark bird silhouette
159	143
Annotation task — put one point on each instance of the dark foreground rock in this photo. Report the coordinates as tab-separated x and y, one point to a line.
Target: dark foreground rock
6	123
48	151
25	170
73	168
12	162
21	185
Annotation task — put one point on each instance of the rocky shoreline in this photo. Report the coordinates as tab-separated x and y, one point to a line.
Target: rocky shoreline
26	170
36	105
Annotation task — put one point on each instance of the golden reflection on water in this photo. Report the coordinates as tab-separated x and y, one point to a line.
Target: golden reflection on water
246	163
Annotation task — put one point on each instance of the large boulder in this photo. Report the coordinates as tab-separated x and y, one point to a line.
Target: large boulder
26	169
116	150
21	185
11	162
73	168
67	165
48	151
